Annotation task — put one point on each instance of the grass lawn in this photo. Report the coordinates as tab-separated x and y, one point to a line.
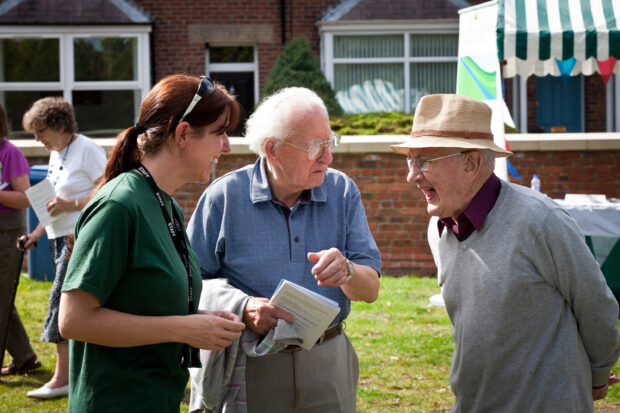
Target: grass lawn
404	346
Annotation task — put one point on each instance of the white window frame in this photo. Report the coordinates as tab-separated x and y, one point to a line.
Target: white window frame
327	31
66	34
234	67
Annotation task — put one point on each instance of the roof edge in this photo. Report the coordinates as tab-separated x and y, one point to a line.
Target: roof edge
336	12
133	11
8	5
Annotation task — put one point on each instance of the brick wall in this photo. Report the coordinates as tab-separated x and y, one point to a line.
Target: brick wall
396	211
173	51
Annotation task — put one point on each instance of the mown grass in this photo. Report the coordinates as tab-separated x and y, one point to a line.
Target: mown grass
404	346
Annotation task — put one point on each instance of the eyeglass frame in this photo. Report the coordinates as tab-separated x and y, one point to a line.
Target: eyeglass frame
205	88
423	164
331	143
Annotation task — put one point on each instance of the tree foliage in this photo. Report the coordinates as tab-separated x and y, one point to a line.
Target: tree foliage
296	66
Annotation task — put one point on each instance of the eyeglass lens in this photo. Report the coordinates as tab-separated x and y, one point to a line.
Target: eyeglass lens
316	148
421	163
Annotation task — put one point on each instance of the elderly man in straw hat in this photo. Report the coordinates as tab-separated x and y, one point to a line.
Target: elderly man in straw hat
535	325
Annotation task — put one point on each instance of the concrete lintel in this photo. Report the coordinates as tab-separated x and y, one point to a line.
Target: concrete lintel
231	33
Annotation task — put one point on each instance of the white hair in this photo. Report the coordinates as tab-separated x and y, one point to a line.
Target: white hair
273	116
488	158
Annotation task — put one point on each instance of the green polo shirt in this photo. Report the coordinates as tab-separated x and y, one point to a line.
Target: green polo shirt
124	255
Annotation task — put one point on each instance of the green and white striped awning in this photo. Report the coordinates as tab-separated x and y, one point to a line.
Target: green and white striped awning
532	34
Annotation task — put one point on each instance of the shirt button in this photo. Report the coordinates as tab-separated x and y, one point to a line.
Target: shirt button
296	239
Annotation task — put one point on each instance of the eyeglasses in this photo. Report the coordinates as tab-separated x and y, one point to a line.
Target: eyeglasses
424	164
315	148
204	89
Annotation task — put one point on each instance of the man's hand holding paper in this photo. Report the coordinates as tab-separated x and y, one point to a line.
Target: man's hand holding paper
260	316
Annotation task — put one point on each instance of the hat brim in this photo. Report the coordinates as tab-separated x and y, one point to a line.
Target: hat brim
448	142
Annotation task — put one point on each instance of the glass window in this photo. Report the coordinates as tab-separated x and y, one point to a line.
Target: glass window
18	103
232	54
30	60
108	58
102	72
362	88
105	113
432	45
430	78
368	46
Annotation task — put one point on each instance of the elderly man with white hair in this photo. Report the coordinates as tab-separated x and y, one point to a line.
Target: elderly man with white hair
289	216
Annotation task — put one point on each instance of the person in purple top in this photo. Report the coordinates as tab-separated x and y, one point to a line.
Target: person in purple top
14	181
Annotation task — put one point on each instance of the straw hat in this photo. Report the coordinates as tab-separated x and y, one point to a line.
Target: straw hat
451	121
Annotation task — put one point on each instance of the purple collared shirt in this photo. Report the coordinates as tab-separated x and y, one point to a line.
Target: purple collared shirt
476	212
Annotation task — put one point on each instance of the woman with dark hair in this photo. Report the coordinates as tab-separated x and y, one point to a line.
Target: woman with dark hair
130	298
13	202
76	166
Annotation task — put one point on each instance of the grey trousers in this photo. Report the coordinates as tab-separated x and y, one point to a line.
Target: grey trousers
322	380
18	343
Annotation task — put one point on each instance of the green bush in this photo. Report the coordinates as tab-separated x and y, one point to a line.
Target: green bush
381	123
297	67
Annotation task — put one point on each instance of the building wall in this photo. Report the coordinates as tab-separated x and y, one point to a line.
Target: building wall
594	103
174	52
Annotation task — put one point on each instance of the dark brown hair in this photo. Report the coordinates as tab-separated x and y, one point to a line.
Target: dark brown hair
160	113
4	123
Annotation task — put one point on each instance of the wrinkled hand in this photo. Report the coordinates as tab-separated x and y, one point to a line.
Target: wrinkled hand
59	205
260	316
601	392
331	267
212	330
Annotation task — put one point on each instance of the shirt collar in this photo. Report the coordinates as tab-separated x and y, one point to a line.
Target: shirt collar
477	210
260	191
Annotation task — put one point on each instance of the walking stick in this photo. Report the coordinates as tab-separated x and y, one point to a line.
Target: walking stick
15	284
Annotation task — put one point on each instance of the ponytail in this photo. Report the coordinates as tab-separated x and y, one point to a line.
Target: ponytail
126	155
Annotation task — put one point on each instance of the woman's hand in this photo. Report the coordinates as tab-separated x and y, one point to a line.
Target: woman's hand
212	330
59	205
27	242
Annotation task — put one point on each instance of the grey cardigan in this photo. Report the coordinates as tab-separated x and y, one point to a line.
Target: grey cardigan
535	325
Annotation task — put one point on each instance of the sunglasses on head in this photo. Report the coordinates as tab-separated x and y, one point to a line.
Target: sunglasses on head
204	89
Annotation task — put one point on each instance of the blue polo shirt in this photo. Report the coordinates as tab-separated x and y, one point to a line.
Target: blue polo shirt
241	233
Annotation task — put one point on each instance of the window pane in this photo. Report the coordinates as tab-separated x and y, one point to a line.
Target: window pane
105	113
109	58
30	60
237	54
368	46
422	45
366	88
429	78
18	103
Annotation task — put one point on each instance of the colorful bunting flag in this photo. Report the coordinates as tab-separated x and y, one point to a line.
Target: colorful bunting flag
605	67
565	67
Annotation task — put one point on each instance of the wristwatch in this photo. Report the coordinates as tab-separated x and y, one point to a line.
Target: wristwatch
350	270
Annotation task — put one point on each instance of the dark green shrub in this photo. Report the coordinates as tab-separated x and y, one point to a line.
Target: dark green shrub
297	67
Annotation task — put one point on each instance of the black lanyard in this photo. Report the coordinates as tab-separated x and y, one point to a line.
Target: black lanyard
175	229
